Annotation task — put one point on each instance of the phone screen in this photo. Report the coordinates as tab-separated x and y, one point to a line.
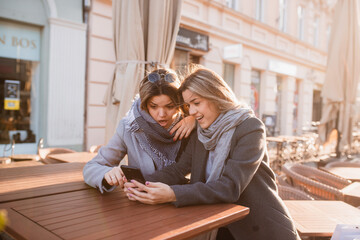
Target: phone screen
132	173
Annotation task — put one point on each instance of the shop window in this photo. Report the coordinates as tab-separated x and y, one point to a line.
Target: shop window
15	101
316	32
317	106
301	20
181	60
255	91
229	74
282	15
296	108
278	99
232	4
194	59
328	32
259	15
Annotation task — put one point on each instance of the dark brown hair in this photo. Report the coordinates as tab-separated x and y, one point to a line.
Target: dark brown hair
149	89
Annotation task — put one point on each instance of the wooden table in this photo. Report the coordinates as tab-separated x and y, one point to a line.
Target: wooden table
86	214
319	218
21	164
352	194
350	173
34	181
73	157
25	157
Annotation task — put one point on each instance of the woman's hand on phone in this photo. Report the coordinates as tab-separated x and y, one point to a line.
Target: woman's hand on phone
115	177
150	193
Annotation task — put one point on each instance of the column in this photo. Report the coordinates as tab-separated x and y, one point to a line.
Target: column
268	93
66	83
287	106
306	103
242	84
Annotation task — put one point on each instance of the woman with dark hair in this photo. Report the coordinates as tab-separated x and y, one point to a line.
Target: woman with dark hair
228	162
150	134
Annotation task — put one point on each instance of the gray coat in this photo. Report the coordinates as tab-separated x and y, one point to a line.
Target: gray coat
123	142
247	180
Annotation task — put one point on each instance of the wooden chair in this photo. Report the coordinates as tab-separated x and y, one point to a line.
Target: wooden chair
342	164
290	193
317	183
44	152
95	148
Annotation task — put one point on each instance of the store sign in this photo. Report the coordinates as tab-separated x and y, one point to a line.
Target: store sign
191	39
233	51
12	95
19	41
282	67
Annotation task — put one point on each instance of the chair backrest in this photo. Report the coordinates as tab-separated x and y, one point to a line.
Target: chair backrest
95	148
282	180
290	193
342	164
321	176
304	176
44	152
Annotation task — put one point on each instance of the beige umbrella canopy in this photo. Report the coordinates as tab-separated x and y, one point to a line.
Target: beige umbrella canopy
343	72
144	33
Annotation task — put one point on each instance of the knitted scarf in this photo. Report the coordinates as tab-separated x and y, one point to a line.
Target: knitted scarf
153	138
217	137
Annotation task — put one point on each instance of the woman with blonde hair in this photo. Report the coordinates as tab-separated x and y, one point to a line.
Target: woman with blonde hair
228	162
150	134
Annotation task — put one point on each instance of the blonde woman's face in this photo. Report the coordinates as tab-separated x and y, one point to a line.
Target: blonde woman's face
204	111
162	109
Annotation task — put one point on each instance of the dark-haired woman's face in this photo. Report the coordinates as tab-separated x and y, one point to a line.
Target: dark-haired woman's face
162	109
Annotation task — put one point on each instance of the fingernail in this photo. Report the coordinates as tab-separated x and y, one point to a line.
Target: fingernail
132	181
147	183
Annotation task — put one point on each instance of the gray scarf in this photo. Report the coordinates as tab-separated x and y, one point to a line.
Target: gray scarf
153	138
217	138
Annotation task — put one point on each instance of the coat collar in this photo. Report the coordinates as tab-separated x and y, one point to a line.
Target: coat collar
200	158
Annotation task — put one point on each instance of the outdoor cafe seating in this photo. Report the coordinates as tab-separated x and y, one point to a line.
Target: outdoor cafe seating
321	184
45	152
291	193
52	201
343	164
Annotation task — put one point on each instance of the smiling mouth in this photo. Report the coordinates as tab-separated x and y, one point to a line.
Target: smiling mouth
199	118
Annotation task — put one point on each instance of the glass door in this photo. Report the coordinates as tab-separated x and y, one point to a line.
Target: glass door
17	119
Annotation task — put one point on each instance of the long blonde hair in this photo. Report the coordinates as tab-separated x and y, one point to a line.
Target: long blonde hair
209	85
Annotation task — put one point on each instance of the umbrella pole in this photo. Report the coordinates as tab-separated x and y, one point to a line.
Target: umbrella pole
337	149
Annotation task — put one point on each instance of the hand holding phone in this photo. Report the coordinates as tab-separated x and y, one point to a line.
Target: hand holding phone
132	173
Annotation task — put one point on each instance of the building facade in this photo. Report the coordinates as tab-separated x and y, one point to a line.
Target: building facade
42	74
272	53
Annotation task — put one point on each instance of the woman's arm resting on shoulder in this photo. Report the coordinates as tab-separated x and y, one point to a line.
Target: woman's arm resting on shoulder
183	128
151	193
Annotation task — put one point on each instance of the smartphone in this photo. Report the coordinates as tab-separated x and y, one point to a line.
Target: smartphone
133	173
